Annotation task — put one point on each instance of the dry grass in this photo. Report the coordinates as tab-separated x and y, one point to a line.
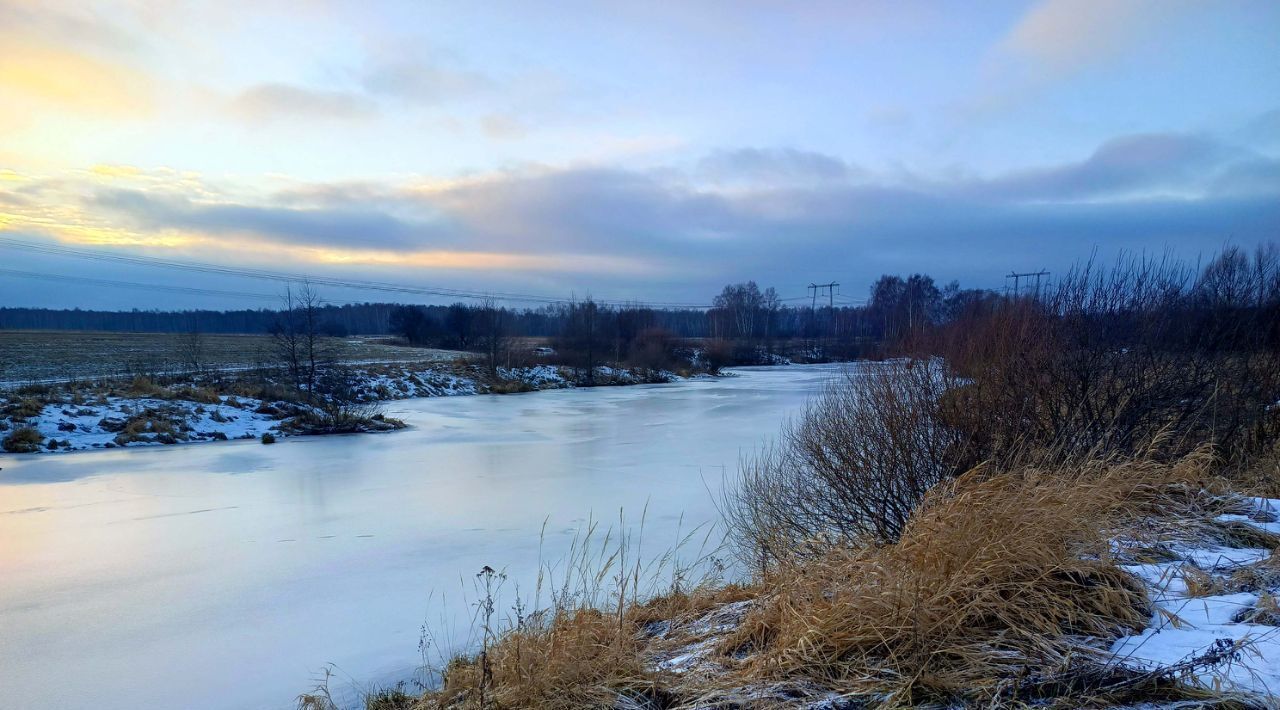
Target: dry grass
22	440
153	425
1001	590
993	590
24	408
1260	577
585	658
1261	477
580	657
578	641
1200	583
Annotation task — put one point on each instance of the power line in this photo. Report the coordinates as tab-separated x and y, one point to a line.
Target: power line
65	278
285	277
1017	279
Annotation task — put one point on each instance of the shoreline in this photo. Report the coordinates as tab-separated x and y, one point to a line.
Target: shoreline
191	413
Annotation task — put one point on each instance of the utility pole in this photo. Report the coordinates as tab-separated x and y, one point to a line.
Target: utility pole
831	301
1017	279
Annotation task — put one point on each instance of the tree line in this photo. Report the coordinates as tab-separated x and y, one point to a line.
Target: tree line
744	314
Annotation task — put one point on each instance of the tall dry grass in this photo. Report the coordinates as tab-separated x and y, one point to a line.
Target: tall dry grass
1000	587
1000	591
576	641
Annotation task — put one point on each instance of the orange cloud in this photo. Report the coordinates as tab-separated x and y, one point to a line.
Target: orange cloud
116	171
44	76
470	260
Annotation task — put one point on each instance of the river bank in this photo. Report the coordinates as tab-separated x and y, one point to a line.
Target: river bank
1112	584
45	418
233	575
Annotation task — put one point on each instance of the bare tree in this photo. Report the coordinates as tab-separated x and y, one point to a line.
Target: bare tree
493	333
583	337
297	340
459	322
191	347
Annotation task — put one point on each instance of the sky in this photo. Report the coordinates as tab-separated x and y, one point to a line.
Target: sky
623	150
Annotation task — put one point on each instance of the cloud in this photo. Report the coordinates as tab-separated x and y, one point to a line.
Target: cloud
1263	130
114	172
423	82
271	101
788	215
502	126
1127	165
76	25
1062	36
68	80
772	166
335	227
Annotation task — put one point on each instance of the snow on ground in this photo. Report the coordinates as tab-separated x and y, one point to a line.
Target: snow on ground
539	376
107	422
1236	624
403	383
103	423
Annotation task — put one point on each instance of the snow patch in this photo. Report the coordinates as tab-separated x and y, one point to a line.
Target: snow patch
1184	627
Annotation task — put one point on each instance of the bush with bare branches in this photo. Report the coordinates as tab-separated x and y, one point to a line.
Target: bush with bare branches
853	466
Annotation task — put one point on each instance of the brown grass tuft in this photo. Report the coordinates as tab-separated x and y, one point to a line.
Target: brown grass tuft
995	581
22	440
582	659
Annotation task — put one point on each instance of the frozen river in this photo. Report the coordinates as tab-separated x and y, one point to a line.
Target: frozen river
229	575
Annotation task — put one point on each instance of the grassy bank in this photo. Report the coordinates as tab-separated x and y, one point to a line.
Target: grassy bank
1048	502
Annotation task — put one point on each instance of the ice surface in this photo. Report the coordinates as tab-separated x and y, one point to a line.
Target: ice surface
226	575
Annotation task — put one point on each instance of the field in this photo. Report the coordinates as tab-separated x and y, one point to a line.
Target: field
41	356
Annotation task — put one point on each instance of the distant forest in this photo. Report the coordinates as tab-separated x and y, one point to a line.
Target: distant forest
748	323
350	319
740	311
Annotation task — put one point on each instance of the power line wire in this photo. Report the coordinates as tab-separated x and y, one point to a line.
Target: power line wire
66	278
367	285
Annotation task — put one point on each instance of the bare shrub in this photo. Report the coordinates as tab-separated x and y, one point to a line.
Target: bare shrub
1137	358
716	355
852	468
652	349
1144	358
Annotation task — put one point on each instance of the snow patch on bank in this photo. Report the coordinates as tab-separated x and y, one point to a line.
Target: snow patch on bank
121	421
1235	627
108	422
538	376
